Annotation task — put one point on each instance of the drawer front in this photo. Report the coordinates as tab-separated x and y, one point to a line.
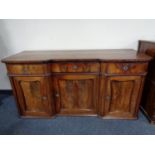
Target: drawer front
124	68
75	67
27	69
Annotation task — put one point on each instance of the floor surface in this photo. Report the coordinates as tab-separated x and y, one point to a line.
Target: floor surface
12	124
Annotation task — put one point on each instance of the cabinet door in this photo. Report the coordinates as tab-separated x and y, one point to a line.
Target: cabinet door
33	96
122	94
76	94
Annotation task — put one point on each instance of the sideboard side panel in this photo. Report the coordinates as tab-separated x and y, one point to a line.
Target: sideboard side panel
148	96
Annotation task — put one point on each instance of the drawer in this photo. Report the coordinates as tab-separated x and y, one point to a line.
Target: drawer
26	69
124	68
75	67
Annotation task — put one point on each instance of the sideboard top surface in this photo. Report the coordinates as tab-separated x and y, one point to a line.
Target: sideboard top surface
76	55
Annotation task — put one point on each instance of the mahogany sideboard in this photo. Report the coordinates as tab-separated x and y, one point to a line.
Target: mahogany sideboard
107	83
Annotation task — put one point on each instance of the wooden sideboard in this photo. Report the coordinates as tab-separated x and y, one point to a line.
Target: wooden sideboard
148	97
107	83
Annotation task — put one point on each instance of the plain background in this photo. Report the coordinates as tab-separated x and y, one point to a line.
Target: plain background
19	35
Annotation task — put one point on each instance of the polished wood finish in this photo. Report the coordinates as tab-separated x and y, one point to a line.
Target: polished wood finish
148	97
124	68
145	46
121	96
27	69
34	96
107	83
75	67
77	55
76	94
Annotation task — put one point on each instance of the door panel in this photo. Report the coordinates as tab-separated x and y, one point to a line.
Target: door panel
33	96
76	94
122	96
32	90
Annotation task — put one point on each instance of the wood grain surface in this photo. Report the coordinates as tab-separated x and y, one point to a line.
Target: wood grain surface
77	55
107	83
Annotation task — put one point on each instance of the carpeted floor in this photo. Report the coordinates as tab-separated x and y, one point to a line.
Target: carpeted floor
11	124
